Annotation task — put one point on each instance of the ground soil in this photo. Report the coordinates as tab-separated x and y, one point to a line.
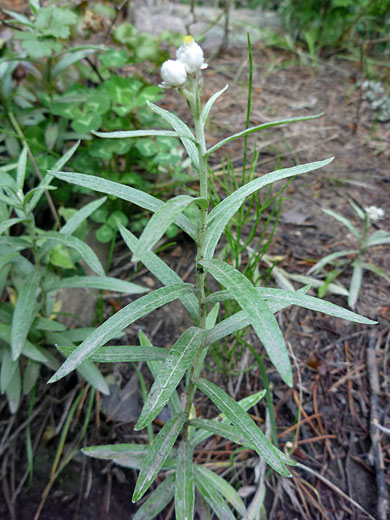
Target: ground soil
331	396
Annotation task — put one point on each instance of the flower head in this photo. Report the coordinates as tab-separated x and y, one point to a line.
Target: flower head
173	73
191	55
374	213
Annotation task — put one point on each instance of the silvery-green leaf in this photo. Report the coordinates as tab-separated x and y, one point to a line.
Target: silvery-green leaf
127	455
123	318
105	283
171	372
160	222
7	180
224	211
121	354
316	268
212	316
157	452
157	500
93	375
30	376
248	428
21	172
154	366
24	313
222	430
257	128
13	391
356	282
82	214
223	487
8	369
6	224
184	483
260	315
246	403
41	323
123	134
378	238
376	270
70	59
213	497
87	254
48	177
181	128
343	220
138	197
162	272
206	109
333	288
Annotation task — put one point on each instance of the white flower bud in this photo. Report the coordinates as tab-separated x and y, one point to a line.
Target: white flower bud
374	213
173	73
191	54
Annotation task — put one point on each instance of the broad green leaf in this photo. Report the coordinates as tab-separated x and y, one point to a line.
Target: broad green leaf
86	122
48	177
182	129
246	403
260	315
123	318
184	483
93	376
121	354
221	214
78	218
21	172
123	134
257	128
162	272
87	254
160	222
157	500
171	372
378	238
248	428
316	268
222	430
157	453
213	497
24	313
154	366
138	197
343	220
106	283
356	282
6	224
206	109
223	487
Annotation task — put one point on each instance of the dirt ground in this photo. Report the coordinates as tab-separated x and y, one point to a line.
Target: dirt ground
332	398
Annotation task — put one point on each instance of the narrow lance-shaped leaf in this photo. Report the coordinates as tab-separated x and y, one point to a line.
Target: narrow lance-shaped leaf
206	109
171	372
106	283
184	483
261	317
222	430
162	272
213	497
241	420
157	453
258	128
342	220
181	128
123	134
223	487
356	282
157	500
380	237
93	376
160	222
137	197
21	172
82	214
316	268
24	313
6	224
121	354
88	255
132	312
221	214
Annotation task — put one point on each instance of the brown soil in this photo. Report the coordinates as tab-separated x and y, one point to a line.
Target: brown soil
331	381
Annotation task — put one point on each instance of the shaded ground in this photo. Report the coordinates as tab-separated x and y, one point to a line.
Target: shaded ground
330	401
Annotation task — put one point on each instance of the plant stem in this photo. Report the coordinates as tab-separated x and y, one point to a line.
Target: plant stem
196	109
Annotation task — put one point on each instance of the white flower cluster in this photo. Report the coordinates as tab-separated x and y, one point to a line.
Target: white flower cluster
189	61
374	213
